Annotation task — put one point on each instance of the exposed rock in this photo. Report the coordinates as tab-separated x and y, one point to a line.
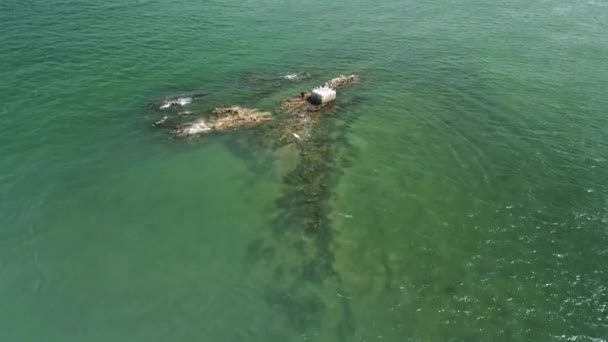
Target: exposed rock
296	101
223	119
341	81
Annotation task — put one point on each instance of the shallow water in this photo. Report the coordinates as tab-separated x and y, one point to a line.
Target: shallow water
457	193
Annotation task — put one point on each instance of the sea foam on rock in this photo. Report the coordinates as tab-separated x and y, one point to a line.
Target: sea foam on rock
223	119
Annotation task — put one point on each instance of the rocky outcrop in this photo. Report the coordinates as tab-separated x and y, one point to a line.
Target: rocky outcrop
297	101
301	113
223	119
341	81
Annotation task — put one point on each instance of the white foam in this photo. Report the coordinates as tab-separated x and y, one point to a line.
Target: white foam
197	127
180	101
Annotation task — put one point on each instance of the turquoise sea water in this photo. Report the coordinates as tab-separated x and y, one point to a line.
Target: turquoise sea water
464	193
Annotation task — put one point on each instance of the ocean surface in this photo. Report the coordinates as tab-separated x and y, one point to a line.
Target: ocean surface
459	192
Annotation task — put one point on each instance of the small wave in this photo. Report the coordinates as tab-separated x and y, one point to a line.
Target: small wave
180	101
196	128
296	76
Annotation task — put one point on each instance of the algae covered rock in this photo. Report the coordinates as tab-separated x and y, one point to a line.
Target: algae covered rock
341	81
223	119
298	101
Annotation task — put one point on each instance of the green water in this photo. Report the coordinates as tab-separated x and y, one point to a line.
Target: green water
459	191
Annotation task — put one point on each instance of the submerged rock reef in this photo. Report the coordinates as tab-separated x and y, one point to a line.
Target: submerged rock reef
297	255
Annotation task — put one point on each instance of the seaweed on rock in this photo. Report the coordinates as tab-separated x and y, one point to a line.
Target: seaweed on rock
223	119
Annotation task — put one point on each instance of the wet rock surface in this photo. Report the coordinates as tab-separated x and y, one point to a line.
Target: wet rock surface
341	81
223	119
301	100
